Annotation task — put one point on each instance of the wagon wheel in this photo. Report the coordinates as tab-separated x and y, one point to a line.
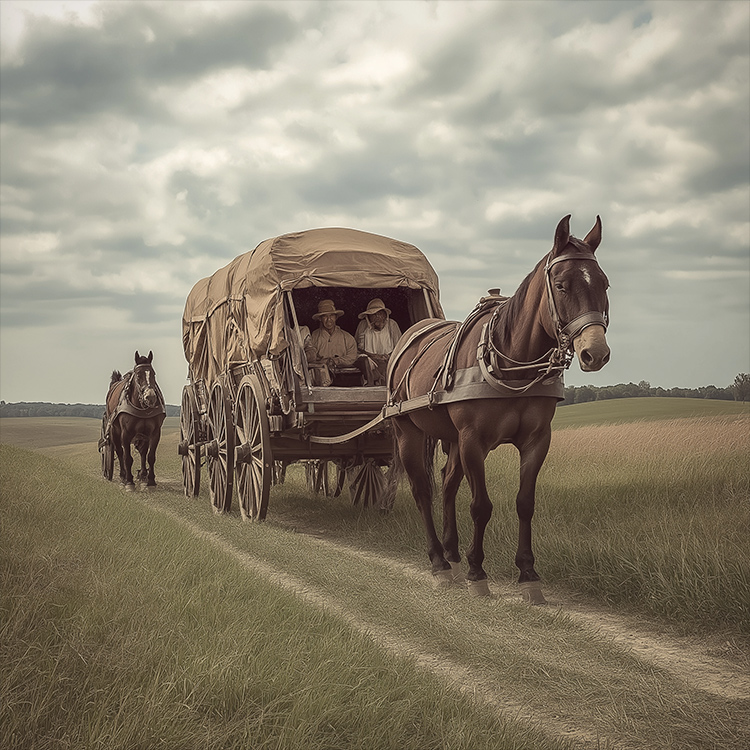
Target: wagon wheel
108	453
220	449
366	483
254	461
189	448
319	481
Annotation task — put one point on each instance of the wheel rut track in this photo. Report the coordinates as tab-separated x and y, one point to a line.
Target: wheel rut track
679	657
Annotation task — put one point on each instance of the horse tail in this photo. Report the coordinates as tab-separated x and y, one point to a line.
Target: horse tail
430	444
116	377
396	470
392	477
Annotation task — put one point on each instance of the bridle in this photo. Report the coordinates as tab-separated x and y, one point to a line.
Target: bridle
566	334
141	390
554	362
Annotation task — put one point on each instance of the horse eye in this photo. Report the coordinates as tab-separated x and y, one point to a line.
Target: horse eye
559	286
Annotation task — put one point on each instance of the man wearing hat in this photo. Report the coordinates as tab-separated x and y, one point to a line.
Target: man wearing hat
376	336
330	347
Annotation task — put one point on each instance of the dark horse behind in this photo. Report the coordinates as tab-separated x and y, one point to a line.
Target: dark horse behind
496	378
134	414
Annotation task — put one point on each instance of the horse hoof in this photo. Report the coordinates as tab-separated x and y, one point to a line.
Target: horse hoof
457	573
443	579
478	588
129	487
531	591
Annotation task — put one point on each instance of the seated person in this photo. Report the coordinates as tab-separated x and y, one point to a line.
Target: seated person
376	336
329	347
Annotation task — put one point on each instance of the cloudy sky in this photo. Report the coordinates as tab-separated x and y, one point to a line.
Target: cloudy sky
146	144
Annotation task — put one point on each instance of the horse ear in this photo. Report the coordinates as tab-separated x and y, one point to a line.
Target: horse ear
562	235
150	357
137	356
594	237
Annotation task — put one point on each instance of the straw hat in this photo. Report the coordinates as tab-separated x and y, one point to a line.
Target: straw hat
373	306
326	307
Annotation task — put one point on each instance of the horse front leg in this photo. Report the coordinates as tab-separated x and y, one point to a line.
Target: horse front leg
532	452
473	459
154	442
410	443
143	471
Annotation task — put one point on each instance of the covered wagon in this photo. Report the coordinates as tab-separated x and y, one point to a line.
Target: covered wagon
250	407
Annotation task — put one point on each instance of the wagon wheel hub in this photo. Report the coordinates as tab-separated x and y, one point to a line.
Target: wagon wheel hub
212	449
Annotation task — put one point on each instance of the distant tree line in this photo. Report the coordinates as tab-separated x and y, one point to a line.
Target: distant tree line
738	391
45	409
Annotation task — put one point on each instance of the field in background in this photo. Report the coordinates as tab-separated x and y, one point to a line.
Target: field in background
623	410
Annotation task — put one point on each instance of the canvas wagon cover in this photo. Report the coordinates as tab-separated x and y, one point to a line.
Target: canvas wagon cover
236	314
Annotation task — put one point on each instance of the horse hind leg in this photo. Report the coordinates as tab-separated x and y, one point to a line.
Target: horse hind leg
116	437
452	473
141	446
410	441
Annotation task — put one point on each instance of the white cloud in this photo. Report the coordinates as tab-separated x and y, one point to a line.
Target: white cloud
145	153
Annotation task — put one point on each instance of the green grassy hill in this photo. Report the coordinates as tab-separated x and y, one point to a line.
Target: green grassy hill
623	410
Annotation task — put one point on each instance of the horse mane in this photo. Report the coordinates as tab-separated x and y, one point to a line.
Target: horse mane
116	377
515	306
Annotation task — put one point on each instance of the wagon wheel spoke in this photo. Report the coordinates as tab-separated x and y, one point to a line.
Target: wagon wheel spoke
189	448
321	479
340	478
366	483
254	462
220	450
318	478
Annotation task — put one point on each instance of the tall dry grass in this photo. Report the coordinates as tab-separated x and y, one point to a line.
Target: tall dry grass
655	515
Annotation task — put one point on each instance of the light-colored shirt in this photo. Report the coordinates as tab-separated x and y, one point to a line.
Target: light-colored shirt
338	345
377	342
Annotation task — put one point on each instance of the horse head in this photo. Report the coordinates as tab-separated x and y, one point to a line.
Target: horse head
577	295
145	392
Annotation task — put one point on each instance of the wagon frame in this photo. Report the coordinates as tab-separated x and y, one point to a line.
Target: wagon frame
250	408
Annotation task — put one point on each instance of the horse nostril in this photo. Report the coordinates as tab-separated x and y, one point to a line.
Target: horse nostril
586	357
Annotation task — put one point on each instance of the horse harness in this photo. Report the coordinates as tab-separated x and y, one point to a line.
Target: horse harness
493	369
124	404
554	362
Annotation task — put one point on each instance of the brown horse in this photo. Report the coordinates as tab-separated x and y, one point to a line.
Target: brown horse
134	414
496	379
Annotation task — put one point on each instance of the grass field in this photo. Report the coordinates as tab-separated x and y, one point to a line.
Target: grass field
625	410
144	620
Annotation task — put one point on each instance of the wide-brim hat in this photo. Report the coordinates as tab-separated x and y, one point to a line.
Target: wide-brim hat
326	307
373	306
